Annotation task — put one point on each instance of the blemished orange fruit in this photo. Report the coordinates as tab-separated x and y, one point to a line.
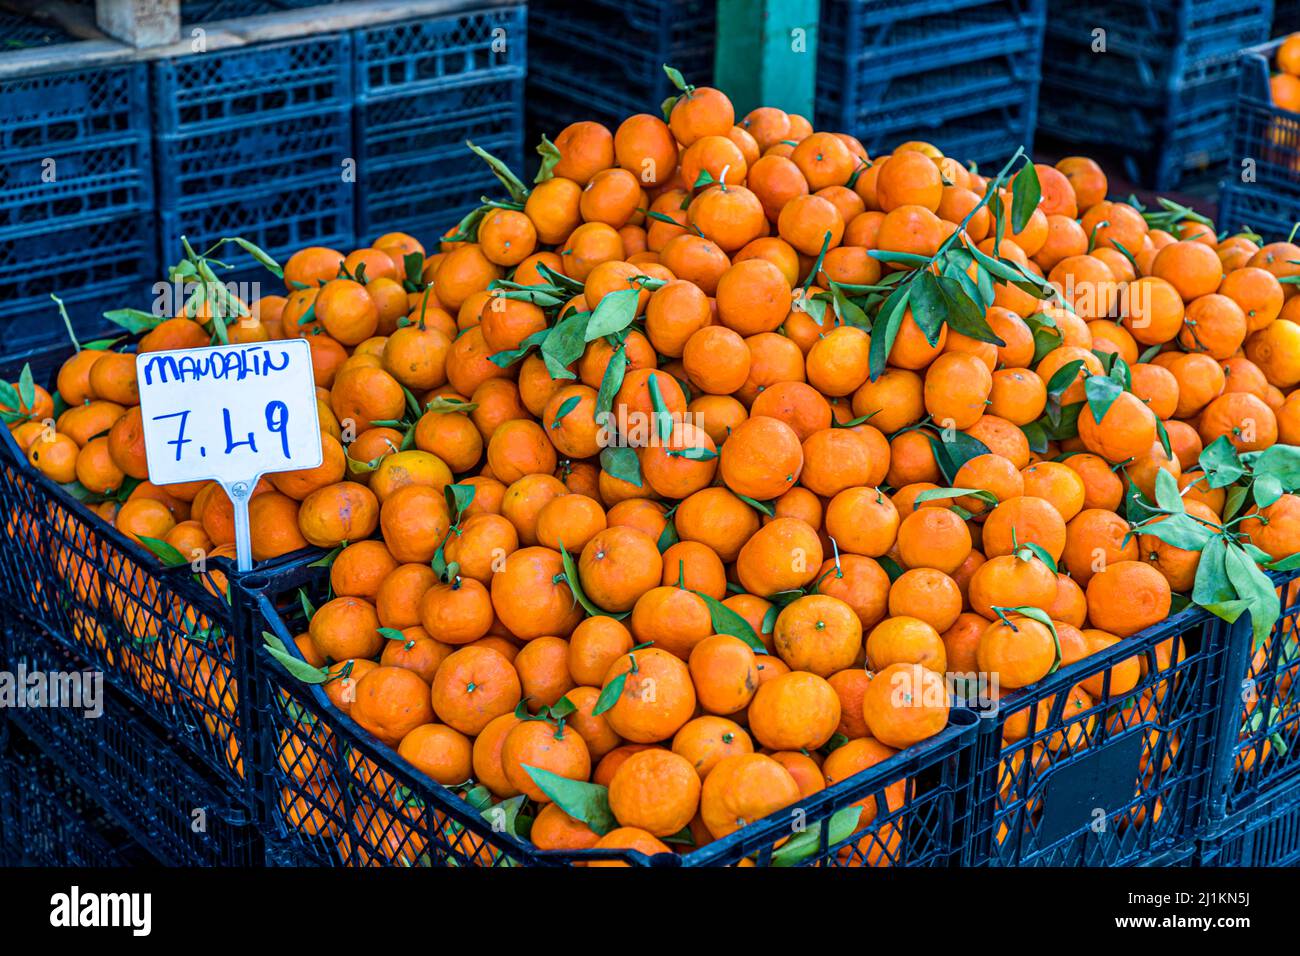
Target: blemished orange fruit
744	788
656	790
1126	596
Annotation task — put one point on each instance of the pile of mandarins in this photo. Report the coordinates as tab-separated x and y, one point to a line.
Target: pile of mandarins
627	448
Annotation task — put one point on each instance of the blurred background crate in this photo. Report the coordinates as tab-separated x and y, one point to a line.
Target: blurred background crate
961	75
1152	80
47	820
425	87
603	60
1262	188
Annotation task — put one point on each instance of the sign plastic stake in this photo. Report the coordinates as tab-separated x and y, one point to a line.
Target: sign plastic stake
230	414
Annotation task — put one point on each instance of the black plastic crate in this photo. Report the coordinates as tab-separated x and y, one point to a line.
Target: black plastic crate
173	641
1262	189
1258	727
167	802
335	796
47	820
1119	782
1266	835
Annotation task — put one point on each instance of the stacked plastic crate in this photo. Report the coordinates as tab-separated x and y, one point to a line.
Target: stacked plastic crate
1152	80
424	88
961	74
256	142
76	196
1262	188
604	61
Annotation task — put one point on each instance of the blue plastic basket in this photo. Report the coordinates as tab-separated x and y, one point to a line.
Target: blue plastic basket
204	11
1119	782
335	796
1243	207
1161	146
604	61
166	802
1267	835
962	76
93	265
1286	17
81	107
422	55
425	88
280	220
1265	144
72	182
47	820
196	169
407	197
257	142
411	127
1258	729
262	85
862	43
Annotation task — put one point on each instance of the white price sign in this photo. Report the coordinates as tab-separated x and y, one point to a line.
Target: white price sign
230	413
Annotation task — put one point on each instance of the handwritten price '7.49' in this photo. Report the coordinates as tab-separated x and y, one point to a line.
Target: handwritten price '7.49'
277	423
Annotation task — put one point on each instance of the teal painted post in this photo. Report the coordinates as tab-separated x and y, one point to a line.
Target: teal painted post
766	54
